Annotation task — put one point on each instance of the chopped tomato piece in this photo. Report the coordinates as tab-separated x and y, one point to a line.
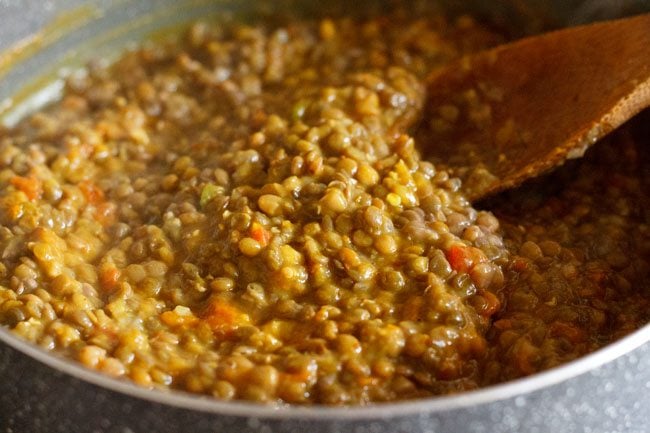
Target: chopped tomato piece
463	258
108	277
31	186
220	315
94	195
520	264
567	330
260	234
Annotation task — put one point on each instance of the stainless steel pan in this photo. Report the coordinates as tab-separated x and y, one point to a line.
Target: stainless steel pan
607	391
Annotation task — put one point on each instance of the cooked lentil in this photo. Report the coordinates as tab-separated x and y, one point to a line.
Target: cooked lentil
243	213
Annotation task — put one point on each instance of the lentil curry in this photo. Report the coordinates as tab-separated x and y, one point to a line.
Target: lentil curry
243	213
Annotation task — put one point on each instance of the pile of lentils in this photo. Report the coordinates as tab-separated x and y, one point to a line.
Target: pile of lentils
242	212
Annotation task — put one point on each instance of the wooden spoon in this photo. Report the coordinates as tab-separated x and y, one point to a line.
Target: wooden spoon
520	109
